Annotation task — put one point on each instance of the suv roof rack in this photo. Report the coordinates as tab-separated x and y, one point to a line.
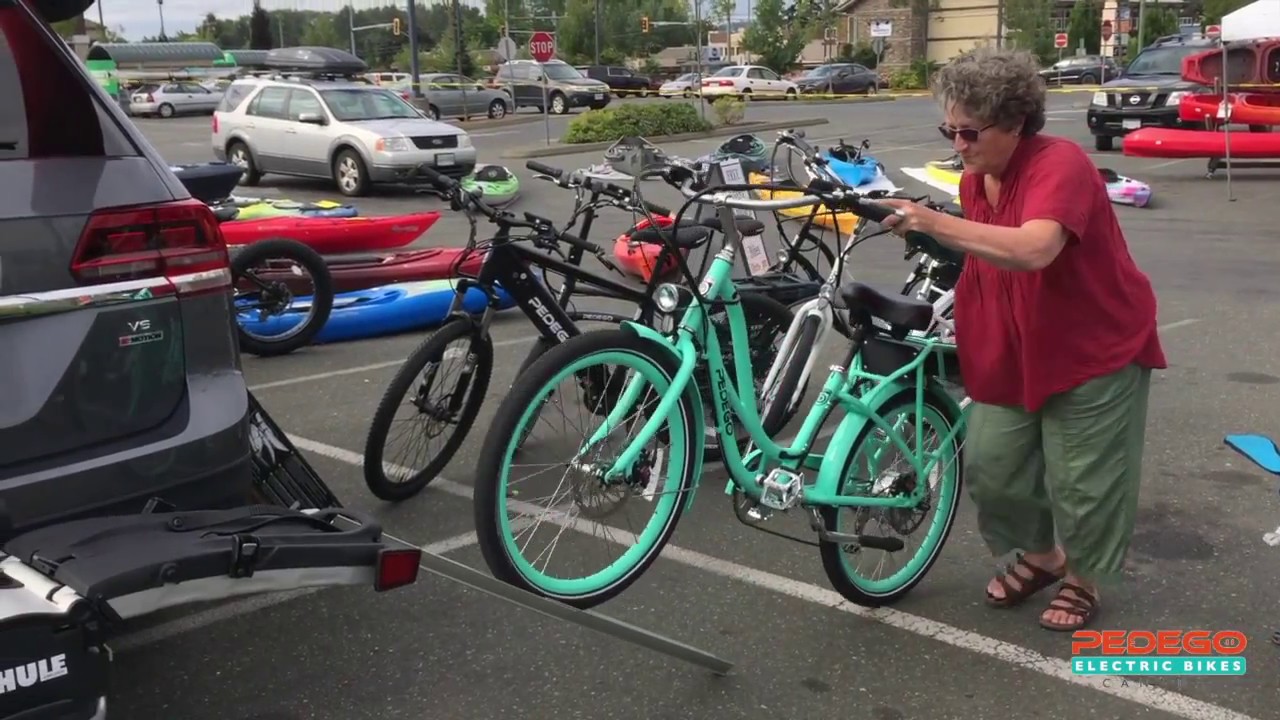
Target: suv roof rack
315	63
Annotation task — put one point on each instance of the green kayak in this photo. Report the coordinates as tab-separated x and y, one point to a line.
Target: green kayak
496	183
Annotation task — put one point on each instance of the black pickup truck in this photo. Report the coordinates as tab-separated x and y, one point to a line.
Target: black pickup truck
622	81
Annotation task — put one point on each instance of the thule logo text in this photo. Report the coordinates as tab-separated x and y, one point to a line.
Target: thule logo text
24	676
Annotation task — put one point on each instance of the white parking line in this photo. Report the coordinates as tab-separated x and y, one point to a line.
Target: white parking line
361	368
1058	668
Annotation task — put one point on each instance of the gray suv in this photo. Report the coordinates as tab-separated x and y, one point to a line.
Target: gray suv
119	373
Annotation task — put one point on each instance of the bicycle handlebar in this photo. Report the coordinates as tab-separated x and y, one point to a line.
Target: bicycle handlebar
615	192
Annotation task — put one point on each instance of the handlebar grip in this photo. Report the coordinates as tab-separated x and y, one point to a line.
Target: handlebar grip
538	167
577	242
443	182
657	209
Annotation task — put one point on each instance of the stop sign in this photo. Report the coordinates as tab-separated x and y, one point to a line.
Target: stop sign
1213	31
1106	29
542	46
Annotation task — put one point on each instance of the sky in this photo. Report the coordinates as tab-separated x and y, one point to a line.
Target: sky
141	18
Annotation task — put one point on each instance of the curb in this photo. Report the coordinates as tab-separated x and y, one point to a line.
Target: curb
486	123
561	149
857	100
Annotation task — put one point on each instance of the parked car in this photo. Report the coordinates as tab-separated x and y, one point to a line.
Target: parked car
173	98
565	87
1116	111
841	79
119	373
356	134
622	81
1082	70
687	85
450	95
749	82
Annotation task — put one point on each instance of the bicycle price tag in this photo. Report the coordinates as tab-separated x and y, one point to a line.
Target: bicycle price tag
731	173
757	256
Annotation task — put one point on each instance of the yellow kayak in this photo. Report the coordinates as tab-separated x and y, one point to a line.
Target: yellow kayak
845	222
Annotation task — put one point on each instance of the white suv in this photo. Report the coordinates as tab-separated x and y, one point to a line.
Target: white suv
355	133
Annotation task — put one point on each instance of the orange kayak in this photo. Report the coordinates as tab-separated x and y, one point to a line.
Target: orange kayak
1245	108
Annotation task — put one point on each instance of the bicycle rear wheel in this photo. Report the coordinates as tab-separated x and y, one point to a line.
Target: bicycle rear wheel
577	496
458	343
869	472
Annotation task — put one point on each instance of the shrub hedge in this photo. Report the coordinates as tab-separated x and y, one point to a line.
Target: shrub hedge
643	120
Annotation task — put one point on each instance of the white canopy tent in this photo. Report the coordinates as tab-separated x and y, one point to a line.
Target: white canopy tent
1259	19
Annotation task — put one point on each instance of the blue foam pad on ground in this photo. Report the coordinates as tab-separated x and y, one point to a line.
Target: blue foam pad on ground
1258	448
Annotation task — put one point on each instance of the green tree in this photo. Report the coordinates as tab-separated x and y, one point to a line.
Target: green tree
777	35
1086	26
322	32
1031	27
1215	9
259	29
1160	22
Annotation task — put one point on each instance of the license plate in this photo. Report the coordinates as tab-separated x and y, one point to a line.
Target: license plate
445	159
599	96
1130	124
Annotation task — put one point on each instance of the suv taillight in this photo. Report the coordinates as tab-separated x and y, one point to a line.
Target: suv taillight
151	98
215	123
180	241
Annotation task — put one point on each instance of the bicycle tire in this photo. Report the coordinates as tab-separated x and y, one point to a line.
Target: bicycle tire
321	301
498	449
832	553
770	320
431	350
778	413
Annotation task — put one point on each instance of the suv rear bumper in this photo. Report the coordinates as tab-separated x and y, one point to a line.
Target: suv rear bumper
1110	122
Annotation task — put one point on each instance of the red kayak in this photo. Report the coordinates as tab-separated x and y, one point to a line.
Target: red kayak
1171	143
359	272
640	259
1248	64
1246	108
332	236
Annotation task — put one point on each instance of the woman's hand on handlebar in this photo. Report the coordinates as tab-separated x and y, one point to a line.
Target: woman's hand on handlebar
908	216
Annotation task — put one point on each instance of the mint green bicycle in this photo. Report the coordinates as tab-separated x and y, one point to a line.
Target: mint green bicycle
888	483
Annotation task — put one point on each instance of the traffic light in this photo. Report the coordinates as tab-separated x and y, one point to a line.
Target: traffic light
644	24
395	26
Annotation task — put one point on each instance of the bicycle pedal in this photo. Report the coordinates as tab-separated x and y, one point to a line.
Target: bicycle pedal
781	489
872	542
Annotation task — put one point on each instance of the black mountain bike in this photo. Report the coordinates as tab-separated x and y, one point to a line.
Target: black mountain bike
450	407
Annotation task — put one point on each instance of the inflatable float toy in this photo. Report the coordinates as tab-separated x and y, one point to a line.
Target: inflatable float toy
845	222
1156	142
496	184
263	208
333	236
1243	108
378	311
851	165
640	259
359	272
748	150
1125	190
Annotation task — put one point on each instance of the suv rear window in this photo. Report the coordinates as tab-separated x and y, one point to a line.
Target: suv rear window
51	107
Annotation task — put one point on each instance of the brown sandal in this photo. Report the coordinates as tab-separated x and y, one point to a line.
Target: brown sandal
1028	586
1082	608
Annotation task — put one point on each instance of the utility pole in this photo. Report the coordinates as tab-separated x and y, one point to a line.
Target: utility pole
412	27
597	26
1142	23
351	25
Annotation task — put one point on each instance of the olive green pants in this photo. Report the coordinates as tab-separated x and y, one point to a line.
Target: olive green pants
1071	469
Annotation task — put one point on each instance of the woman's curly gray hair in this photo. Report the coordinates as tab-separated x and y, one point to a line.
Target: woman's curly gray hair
995	86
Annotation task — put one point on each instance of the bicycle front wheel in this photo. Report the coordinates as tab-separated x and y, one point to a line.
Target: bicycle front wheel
522	492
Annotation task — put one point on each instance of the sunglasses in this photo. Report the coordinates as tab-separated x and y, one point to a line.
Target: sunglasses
969	134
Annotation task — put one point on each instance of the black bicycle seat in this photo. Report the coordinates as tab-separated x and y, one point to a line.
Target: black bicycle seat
686	236
898	310
746	226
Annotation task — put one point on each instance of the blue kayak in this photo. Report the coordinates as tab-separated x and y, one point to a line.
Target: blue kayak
376	311
859	172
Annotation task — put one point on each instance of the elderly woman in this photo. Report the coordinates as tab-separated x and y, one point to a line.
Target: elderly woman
1056	333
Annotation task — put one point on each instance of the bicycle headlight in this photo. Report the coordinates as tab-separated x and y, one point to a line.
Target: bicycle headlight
667	297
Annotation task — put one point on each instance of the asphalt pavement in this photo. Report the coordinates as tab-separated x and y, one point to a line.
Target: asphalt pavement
441	650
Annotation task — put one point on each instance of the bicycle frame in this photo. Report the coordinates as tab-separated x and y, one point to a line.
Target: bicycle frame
839	388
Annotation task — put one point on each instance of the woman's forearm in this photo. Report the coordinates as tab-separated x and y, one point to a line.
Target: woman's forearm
1030	247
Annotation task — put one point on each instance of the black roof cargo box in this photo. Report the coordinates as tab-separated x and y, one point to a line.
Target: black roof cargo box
319	60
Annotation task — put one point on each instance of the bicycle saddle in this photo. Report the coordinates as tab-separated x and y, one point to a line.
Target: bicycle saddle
687	236
897	310
746	226
1257	448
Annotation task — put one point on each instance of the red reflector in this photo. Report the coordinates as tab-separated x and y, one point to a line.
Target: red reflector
397	568
174	240
215	123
